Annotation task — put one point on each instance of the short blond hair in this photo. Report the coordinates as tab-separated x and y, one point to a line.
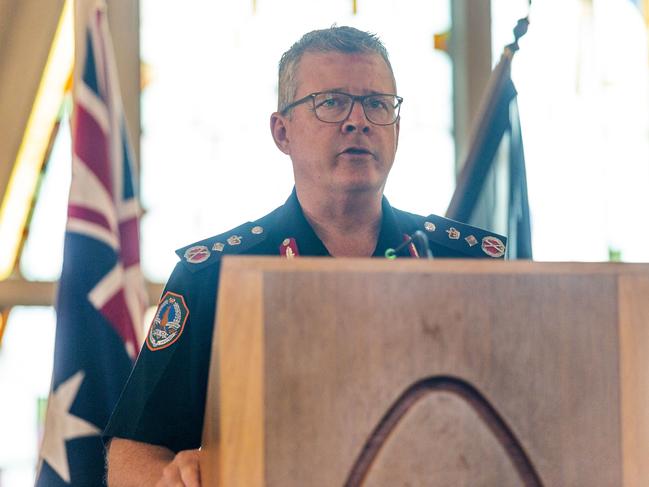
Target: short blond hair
338	39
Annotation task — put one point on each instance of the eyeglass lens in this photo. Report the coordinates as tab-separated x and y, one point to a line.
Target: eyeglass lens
335	107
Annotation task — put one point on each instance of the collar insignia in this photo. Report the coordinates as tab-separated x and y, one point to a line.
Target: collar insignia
289	248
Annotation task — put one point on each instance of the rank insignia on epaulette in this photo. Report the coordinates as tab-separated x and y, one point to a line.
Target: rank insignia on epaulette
208	252
234	240
168	323
478	243
471	240
453	233
197	254
493	246
429	226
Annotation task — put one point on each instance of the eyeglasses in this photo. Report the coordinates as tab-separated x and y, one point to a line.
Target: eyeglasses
335	106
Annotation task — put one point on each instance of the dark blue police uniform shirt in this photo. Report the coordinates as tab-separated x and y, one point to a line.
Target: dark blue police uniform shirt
164	399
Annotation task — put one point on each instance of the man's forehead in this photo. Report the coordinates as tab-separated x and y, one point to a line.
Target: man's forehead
333	70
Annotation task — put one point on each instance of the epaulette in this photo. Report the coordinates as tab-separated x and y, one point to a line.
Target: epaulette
206	252
463	239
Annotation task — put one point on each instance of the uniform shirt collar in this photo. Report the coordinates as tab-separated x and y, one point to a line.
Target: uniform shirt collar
291	223
391	234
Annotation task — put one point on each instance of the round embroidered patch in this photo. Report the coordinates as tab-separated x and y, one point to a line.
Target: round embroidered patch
197	254
168	323
493	247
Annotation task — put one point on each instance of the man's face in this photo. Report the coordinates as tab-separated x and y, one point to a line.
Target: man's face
349	156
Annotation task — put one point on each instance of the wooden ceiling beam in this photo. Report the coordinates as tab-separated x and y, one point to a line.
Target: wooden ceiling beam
27	30
19	292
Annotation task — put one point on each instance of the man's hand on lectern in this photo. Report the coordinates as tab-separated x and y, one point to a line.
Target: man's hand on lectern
136	464
183	470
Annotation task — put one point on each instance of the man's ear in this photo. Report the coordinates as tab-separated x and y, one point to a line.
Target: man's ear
279	131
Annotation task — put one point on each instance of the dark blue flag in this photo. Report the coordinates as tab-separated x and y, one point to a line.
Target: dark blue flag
101	293
497	138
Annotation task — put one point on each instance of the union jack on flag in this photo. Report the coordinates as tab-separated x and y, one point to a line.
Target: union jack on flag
101	295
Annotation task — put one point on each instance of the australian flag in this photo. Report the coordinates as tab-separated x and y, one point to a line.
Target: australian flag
495	155
101	294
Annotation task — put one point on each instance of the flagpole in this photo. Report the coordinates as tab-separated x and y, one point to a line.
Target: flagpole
463	199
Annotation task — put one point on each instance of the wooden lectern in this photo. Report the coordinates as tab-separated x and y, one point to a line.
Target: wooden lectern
332	372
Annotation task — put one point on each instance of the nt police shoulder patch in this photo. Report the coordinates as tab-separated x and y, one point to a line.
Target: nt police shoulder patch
168	323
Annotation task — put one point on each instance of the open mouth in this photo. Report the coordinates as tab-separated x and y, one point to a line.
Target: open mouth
356	151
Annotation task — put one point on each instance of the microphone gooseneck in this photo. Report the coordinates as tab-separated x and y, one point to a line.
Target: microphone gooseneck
420	242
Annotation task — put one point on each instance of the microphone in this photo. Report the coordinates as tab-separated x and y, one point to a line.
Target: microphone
419	240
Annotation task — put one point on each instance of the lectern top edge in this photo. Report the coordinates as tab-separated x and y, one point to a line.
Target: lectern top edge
462	266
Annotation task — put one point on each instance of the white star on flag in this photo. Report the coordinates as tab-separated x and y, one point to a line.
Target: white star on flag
62	426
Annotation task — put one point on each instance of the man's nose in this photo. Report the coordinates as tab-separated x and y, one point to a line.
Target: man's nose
356	119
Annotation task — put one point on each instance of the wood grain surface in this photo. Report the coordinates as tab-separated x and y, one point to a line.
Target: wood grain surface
449	461
634	358
324	348
233	431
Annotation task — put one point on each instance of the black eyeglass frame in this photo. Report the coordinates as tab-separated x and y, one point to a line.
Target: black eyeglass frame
355	98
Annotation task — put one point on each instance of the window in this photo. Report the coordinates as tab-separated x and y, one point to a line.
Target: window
582	74
42	257
208	160
26	359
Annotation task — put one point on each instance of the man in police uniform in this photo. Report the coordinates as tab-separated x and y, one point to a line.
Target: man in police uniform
338	120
